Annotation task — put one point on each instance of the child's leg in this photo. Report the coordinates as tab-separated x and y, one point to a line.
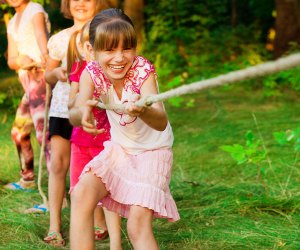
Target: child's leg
113	222
84	198
20	132
36	91
60	160
99	219
139	227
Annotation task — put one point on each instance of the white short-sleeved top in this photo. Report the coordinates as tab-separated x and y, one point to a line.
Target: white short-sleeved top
24	34
57	46
133	134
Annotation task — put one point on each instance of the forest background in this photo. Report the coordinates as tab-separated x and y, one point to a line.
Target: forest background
188	40
236	171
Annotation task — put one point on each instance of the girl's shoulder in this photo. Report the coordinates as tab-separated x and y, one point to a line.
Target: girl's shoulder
63	34
58	45
101	82
138	73
35	7
76	71
142	64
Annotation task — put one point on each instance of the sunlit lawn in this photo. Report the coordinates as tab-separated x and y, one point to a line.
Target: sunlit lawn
222	205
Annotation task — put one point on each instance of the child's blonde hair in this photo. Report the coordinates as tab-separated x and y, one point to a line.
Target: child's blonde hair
65	7
73	54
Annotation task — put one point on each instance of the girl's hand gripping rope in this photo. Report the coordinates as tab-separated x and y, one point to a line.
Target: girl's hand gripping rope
88	121
132	109
61	74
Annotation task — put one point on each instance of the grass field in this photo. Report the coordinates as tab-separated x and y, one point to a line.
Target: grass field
222	204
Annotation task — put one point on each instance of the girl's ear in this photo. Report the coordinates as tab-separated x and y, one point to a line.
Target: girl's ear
89	49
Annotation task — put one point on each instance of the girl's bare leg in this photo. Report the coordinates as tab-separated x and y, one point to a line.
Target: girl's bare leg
139	227
84	198
60	161
99	218
113	222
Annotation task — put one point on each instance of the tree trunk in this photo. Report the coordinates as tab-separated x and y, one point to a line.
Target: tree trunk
114	3
287	25
135	10
233	13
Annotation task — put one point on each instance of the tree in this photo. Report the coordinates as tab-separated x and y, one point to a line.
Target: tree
287	25
135	10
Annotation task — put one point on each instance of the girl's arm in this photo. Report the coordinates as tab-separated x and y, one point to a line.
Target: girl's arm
54	72
40	32
86	89
15	61
155	115
73	92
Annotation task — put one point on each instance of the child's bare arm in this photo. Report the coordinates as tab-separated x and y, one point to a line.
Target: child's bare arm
40	32
73	92
86	88
15	60
54	72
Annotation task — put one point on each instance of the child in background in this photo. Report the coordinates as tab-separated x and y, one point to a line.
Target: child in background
59	127
27	35
131	175
85	146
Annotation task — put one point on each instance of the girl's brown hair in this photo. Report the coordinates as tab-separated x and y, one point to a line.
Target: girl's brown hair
109	27
65	7
73	54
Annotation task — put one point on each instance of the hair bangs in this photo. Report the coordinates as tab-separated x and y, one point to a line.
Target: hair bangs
110	34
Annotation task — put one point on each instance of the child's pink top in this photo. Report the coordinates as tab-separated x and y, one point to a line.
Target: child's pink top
133	134
79	136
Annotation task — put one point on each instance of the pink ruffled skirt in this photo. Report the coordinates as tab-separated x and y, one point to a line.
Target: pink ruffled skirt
141	180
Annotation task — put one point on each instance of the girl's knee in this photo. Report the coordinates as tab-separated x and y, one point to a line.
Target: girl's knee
80	201
136	227
77	195
139	222
58	170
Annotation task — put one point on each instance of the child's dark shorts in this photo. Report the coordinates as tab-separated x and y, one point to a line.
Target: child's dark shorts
61	127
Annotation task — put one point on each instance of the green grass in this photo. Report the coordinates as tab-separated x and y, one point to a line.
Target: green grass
222	205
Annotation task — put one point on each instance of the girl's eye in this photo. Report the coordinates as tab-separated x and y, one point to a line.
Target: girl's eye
127	48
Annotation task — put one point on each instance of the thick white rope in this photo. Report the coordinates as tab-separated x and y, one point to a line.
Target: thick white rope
260	70
42	149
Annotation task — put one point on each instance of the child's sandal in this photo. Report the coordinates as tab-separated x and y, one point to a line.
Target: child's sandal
54	239
100	234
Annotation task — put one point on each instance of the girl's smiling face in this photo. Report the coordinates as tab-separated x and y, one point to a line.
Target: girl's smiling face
82	10
16	3
116	62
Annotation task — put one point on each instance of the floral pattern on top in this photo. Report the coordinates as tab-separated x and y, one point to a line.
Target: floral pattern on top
137	74
134	79
102	84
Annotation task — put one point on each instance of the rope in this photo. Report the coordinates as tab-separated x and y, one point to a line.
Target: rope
31	65
48	92
260	70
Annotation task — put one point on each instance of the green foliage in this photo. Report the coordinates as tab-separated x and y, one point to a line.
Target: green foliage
220	204
274	84
289	137
252	152
3	96
10	91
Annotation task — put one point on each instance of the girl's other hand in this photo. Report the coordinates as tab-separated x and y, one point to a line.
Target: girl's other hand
23	61
88	120
61	74
44	59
